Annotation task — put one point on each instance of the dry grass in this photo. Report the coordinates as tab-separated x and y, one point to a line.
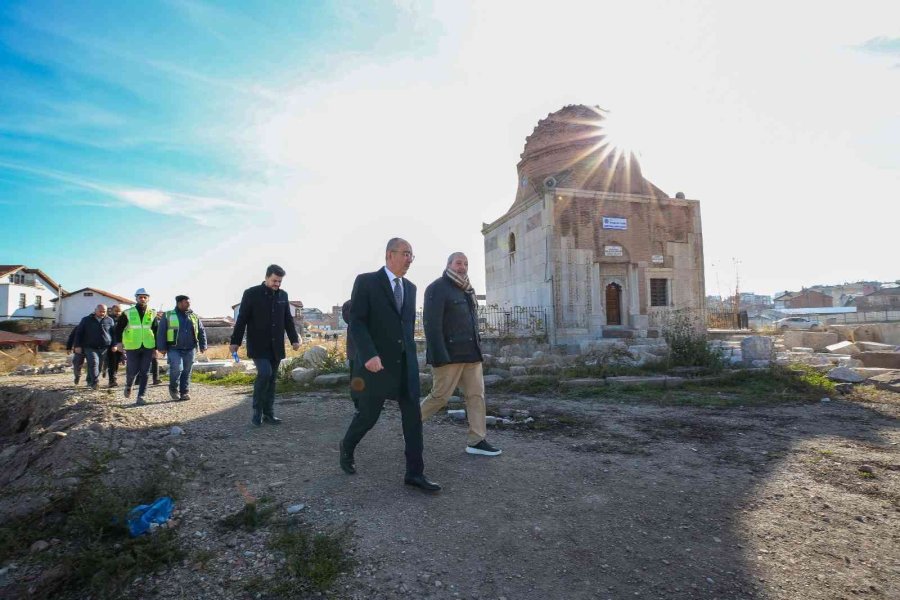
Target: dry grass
10	358
220	352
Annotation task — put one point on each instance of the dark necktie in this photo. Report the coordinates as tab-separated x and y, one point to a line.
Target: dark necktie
398	294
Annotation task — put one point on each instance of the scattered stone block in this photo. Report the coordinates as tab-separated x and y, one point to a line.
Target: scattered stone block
843	374
315	356
426	380
517	371
757	347
882	360
457	415
332	379
303	374
889	381
875	347
847	348
817	340
490	380
869	372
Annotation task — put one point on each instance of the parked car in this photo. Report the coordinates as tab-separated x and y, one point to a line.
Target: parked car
800	323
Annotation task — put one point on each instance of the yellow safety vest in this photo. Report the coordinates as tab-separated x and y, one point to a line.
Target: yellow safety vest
139	334
172	329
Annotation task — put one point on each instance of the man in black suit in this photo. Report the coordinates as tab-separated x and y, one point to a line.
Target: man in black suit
265	315
382	319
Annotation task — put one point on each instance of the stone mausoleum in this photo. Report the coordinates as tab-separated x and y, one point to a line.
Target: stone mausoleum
606	251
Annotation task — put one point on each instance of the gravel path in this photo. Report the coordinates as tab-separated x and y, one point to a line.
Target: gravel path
598	501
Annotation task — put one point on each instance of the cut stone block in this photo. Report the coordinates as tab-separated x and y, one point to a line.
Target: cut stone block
843	374
842	348
882	360
875	347
757	347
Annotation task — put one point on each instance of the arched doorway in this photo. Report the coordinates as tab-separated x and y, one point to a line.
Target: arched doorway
613	304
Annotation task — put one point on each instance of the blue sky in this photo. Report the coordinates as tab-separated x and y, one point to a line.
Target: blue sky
183	145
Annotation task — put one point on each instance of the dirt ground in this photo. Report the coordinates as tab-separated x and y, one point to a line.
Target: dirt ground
596	500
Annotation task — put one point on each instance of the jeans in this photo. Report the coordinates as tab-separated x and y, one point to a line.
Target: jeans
180	364
264	386
137	367
95	358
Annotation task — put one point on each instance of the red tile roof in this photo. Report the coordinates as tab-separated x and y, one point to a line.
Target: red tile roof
120	299
7	337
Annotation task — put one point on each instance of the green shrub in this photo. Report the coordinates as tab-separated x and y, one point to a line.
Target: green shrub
688	346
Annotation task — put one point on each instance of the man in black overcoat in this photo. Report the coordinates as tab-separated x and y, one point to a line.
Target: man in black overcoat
382	320
265	315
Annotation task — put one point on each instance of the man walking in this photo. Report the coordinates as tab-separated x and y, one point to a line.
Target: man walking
94	337
382	319
115	356
453	349
77	357
265	314
136	335
179	335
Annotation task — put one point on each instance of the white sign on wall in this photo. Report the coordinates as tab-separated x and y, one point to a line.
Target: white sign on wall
658	259
612	251
615	223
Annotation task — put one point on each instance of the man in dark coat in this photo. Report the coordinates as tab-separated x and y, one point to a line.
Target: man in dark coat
94	337
382	319
77	358
454	349
265	314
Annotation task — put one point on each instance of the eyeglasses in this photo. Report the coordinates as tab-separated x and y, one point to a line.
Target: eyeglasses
406	254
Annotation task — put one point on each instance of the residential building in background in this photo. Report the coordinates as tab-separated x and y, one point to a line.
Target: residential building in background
73	306
26	293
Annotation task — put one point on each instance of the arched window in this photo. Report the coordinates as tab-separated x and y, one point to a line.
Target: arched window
512	243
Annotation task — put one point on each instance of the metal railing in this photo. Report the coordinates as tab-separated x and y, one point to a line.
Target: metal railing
512	321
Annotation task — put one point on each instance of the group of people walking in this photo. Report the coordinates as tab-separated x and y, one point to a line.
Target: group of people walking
381	350
138	336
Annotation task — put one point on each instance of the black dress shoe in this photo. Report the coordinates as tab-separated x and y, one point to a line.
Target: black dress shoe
271	420
347	463
420	482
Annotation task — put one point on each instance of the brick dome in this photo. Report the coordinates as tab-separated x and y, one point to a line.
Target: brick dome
569	149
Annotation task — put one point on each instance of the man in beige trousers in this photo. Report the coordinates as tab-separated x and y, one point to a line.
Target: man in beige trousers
454	349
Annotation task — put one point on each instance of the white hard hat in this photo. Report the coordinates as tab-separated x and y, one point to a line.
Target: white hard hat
141	292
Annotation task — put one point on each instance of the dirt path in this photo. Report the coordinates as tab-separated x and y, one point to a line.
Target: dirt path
599	501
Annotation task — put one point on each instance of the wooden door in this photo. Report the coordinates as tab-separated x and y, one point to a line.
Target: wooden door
613	304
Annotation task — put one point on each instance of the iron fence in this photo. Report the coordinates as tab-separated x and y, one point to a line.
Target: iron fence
512	321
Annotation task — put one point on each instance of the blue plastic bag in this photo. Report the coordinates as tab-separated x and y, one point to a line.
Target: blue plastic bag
140	517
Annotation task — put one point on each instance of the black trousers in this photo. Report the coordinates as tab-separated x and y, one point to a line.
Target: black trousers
367	414
113	360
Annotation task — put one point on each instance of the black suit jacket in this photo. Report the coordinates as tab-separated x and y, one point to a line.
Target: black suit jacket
266	317
379	329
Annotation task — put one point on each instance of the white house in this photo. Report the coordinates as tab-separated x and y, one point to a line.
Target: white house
296	309
25	293
73	306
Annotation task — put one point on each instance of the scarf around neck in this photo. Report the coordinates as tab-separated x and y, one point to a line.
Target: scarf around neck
461	281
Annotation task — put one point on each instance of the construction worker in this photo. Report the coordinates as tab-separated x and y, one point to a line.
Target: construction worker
136	334
180	334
